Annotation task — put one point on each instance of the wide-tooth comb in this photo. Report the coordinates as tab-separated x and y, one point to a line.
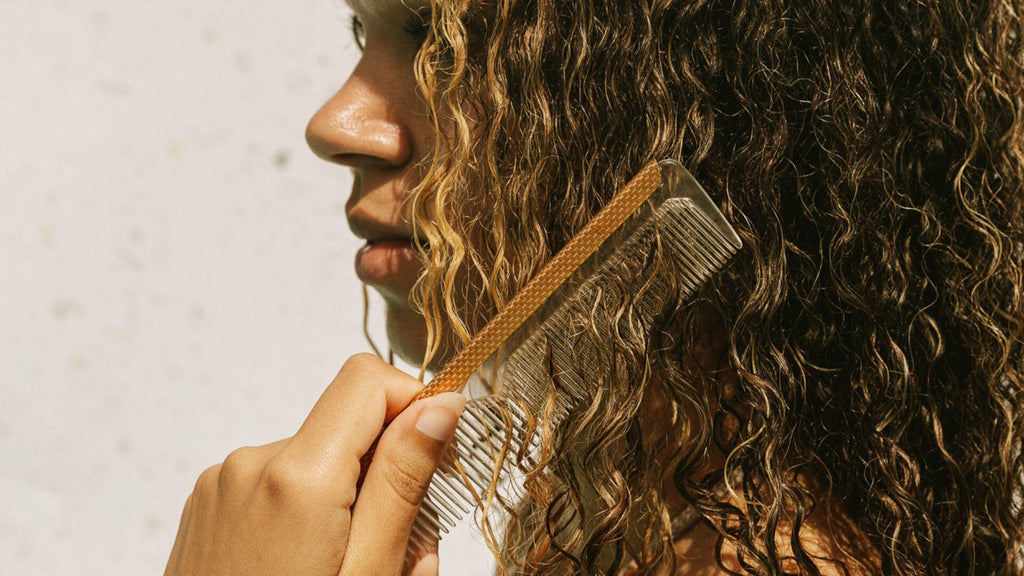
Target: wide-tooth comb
541	334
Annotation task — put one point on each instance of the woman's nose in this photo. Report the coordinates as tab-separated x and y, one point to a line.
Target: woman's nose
360	125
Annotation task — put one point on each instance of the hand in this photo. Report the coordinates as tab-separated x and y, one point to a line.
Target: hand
293	507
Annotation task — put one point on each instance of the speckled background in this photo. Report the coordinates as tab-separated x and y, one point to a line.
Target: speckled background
175	268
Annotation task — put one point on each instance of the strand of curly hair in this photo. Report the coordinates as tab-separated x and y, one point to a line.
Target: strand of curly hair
869	155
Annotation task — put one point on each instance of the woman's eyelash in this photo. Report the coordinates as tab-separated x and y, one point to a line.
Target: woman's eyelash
358	32
416	25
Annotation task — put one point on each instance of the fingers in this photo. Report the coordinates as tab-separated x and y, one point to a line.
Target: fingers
365	395
222	496
396	482
286	508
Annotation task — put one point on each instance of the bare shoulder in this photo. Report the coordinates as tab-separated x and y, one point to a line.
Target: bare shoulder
839	550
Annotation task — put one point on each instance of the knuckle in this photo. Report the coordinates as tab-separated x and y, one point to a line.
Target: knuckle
208	479
206	488
361	362
237	466
283	480
409	485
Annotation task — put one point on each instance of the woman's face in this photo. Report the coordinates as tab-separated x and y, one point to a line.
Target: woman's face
376	125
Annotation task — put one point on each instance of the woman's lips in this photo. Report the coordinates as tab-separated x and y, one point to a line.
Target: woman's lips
388	262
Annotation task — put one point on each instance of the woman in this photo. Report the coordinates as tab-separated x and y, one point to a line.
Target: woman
854	377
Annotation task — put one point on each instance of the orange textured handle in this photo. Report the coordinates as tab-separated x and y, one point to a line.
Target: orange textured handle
454	375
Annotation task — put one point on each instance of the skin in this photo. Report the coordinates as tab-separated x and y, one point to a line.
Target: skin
295	506
376	125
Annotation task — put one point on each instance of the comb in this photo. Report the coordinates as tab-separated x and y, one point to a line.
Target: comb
539	343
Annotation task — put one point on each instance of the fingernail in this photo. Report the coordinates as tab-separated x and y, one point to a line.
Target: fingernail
441	414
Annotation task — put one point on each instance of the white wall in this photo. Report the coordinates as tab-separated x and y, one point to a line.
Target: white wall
175	268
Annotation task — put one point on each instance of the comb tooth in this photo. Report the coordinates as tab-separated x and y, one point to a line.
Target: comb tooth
475	468
482	461
528	446
443	501
517	438
421	535
415	548
708	256
691	279
450	500
454	491
696	264
442	517
479	467
417	536
699	229
428	516
479	445
485	461
454	497
450	518
694	240
493	420
451	481
518	417
564	356
476	480
532	452
476	437
465	501
429	521
473	423
721	243
465	437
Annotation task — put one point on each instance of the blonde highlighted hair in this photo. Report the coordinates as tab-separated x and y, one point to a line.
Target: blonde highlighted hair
869	155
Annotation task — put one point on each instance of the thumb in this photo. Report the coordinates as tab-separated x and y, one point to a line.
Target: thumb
397	480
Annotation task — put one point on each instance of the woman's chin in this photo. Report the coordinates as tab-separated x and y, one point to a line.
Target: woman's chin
407	335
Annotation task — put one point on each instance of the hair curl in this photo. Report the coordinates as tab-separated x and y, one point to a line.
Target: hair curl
869	155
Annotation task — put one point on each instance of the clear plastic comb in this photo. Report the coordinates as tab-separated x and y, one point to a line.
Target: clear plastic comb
541	346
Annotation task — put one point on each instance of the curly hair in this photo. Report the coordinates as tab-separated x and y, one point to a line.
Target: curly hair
869	334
